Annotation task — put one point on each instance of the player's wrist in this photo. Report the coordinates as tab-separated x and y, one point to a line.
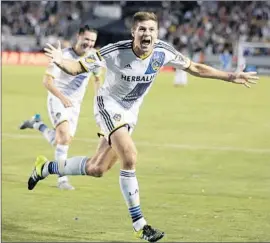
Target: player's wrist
231	76
60	95
58	61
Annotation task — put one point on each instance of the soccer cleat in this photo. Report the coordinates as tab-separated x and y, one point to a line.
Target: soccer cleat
36	175
150	234
63	184
30	123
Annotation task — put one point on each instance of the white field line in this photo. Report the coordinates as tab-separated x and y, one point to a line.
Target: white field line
150	144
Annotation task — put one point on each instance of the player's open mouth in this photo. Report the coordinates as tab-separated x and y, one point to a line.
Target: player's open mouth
85	46
146	42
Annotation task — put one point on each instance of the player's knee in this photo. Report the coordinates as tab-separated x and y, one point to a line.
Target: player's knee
96	171
93	168
64	141
99	171
130	159
62	135
63	138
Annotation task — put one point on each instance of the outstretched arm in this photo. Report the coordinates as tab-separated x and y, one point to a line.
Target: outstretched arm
71	67
180	61
67	65
204	71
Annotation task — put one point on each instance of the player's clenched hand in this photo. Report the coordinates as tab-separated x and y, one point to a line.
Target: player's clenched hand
54	53
66	102
244	78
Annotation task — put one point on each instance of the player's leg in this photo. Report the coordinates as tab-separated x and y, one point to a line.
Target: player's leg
62	140
126	151
117	124
103	160
36	123
180	78
124	147
64	128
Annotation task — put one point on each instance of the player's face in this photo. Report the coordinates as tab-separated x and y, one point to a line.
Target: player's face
145	35
86	41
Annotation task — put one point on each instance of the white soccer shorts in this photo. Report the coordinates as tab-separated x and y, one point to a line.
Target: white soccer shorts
58	113
110	116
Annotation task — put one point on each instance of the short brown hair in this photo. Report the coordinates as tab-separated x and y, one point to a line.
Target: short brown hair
143	16
86	28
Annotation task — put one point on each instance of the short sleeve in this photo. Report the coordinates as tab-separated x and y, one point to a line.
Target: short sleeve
53	70
179	61
173	57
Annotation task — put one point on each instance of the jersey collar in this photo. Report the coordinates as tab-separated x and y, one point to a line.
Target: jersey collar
73	49
142	57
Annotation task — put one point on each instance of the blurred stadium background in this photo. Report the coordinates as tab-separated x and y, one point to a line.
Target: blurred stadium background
200	29
204	176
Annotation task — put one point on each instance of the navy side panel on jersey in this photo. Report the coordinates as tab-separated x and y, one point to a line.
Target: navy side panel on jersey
134	94
76	83
156	62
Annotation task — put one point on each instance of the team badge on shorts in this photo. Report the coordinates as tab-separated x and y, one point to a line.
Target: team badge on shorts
117	117
58	115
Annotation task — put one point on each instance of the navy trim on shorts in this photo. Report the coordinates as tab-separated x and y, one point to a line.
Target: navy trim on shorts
104	114
109	137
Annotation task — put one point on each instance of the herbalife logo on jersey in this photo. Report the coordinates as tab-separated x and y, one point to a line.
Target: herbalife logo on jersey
145	78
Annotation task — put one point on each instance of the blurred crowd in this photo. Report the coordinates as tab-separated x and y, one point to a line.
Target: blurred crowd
207	26
213	25
41	19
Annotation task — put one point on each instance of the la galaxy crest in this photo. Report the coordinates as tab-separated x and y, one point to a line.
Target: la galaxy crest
90	59
117	117
155	62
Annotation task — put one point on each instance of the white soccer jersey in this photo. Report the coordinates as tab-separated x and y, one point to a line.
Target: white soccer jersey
128	77
72	87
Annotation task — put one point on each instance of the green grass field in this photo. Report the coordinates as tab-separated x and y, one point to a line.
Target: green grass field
203	166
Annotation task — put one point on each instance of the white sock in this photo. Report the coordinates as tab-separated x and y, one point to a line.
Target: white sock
49	134
38	124
60	156
72	166
130	190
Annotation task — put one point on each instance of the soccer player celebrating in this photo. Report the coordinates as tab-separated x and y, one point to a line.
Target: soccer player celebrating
65	94
132	67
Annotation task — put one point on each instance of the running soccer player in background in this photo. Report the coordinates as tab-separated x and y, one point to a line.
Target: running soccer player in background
65	94
132	67
225	58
